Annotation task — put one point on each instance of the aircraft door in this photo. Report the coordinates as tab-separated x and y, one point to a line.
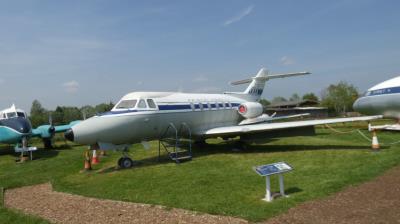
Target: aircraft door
151	119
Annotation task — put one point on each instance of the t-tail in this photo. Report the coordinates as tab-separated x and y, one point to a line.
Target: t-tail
254	91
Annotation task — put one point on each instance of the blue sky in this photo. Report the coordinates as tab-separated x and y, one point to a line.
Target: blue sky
87	52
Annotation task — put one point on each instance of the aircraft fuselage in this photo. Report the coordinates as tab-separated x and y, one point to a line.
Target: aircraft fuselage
132	125
382	99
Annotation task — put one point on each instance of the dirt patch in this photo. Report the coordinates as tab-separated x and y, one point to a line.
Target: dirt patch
377	201
59	207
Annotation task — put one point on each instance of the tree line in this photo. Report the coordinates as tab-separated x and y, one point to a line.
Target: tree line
64	114
338	98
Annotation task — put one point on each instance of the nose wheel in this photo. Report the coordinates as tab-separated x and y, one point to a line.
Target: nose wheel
125	162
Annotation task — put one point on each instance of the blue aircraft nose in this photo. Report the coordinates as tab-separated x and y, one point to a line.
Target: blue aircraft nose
19	124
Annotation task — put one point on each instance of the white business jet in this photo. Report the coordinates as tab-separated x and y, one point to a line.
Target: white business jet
144	116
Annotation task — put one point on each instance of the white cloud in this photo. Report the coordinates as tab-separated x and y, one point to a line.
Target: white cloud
285	60
71	86
239	16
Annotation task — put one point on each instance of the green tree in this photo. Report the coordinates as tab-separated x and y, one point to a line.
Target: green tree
310	96
38	115
339	97
264	102
87	111
64	115
278	99
295	97
104	107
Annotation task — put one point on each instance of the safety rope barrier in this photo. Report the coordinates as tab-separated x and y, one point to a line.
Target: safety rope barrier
360	133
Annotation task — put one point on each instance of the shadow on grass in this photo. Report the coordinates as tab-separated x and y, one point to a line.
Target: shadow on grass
293	190
39	154
235	147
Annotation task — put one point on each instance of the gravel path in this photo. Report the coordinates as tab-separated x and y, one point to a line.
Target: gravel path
59	207
377	201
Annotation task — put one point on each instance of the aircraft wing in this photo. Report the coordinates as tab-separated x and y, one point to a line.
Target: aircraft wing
254	128
47	131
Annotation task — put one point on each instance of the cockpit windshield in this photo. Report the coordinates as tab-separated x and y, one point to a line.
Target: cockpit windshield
126	104
11	114
21	114
367	93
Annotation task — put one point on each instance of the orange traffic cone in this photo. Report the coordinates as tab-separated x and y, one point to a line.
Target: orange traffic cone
95	158
87	165
375	143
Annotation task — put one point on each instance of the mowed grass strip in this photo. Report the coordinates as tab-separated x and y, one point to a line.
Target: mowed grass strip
218	180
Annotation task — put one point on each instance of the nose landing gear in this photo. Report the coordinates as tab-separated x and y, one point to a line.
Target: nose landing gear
125	161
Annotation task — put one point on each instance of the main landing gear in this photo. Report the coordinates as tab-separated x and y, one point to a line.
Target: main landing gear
125	162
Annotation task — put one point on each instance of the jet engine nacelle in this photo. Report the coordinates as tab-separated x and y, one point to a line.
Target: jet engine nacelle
250	109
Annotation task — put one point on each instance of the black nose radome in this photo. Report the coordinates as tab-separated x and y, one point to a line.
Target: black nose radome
69	135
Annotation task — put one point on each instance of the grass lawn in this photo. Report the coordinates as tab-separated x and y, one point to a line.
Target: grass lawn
217	180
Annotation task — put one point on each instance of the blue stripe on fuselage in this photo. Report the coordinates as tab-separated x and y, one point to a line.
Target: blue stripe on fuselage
391	90
174	107
168	108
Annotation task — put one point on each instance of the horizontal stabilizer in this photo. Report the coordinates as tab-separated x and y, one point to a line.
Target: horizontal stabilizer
267	77
240	82
276	76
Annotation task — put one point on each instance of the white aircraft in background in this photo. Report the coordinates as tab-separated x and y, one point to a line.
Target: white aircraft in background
144	116
382	99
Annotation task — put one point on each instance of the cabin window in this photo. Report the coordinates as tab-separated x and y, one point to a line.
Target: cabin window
20	114
125	104
151	103
142	104
12	114
227	105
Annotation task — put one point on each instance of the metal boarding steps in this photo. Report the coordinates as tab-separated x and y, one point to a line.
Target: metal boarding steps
177	143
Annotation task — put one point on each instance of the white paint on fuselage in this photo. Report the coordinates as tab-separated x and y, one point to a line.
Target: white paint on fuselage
386	84
121	126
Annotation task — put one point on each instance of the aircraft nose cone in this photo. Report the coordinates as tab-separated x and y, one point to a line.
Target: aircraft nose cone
356	105
25	127
69	135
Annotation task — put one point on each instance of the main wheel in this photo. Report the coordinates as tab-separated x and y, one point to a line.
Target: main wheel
47	143
125	162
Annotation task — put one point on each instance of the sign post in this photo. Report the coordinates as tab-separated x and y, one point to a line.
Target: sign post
269	170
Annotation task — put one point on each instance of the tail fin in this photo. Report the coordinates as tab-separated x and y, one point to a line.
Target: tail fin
254	91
